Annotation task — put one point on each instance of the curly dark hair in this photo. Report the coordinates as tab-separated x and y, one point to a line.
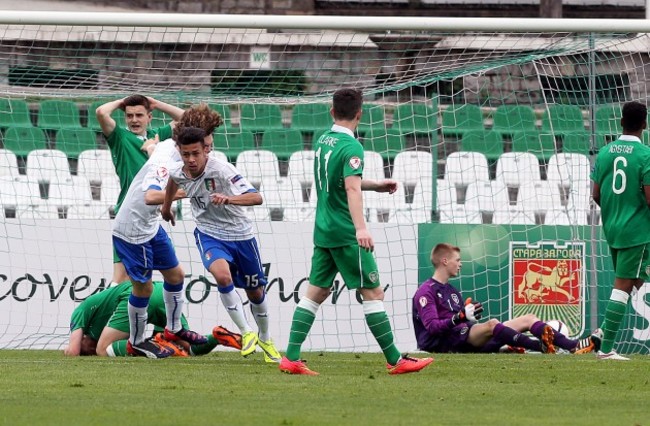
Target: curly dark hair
200	116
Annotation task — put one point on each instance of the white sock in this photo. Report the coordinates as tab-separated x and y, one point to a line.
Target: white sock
110	351
173	296
137	319
260	312
231	300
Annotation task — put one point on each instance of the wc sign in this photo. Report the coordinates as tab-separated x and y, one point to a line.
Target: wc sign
260	57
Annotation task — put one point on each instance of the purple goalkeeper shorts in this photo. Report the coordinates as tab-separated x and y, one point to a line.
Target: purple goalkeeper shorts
456	340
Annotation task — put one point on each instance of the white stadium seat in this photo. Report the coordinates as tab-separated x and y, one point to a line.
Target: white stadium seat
258	165
8	163
412	167
373	167
487	196
301	167
96	165
281	193
299	213
463	168
513	168
219	155
48	165
19	191
75	190
565	169
539	197
92	210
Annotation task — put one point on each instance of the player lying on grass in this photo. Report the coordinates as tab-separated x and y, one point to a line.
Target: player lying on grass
443	323
100	325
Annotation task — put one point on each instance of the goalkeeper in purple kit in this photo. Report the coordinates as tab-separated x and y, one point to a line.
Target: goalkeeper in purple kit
444	323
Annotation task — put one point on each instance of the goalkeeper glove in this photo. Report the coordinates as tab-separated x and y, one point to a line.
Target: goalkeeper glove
470	312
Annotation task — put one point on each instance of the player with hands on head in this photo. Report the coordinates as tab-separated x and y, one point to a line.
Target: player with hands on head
443	323
342	242
224	234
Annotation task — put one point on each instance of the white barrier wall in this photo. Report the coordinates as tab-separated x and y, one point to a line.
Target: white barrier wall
46	265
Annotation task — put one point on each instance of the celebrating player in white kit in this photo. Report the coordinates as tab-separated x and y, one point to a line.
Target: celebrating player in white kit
143	245
224	234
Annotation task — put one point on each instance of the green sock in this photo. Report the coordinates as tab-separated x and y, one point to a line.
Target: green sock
379	325
119	347
303	319
612	322
204	348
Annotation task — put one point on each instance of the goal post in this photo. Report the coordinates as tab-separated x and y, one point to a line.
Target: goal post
490	126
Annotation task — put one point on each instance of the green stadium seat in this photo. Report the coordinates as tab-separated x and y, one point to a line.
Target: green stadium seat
118	116
576	143
224	112
512	119
563	119
373	119
232	142
457	120
159	119
387	143
540	144
73	141
22	140
311	118
260	117
14	113
283	142
58	114
488	143
415	118
608	120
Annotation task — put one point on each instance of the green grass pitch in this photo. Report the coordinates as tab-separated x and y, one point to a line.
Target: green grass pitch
45	388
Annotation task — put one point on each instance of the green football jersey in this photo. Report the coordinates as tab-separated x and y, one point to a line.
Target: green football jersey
338	155
128	158
622	169
95	311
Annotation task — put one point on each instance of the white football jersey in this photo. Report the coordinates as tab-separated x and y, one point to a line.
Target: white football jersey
137	222
224	222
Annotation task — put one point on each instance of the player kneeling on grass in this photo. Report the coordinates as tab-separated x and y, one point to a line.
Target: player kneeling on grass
100	326
443	323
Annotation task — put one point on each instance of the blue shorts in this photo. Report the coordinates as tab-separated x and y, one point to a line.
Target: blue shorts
242	256
141	259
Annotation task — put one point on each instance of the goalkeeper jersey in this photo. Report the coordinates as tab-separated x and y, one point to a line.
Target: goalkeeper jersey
224	222
338	155
137	222
128	159
622	169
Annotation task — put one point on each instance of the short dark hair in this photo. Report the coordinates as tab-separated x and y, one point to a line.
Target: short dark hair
347	103
635	114
441	251
190	135
137	100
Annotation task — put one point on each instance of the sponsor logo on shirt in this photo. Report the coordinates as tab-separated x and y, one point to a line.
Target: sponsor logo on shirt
355	162
423	301
210	184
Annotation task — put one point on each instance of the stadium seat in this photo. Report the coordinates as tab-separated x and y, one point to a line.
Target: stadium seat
563	217
415	118
36	212
14	113
373	119
260	117
258	165
159	119
486	196
512	119
463	168
299	213
541	145
313	195
22	140
460	214
109	190
446	196
73	191
512	217
224	112
409	215
258	213
233	141
513	168
8	163
74	141
373	166
281	193
579	202
383	201
19	191
58	114
311	118
92	210
488	143
563	119
93	124
567	169
301	167
457	120
388	143
412	167
48	165
219	155
608	120
283	142
539	197
577	143
96	165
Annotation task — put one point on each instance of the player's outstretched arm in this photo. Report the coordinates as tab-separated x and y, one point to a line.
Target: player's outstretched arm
74	343
384	185
246	199
103	113
166	210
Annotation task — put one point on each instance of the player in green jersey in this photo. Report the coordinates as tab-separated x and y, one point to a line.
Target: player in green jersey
621	188
100	325
126	144
342	243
